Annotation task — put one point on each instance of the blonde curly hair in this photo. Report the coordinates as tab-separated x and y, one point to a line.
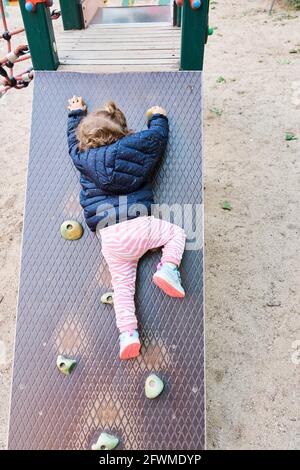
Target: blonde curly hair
102	127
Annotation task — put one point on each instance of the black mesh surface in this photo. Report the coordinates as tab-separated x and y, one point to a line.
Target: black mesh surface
59	310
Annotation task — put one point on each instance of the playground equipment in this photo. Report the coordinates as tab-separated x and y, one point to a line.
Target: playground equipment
71	230
108	298
195	4
59	310
13	56
30	5
156	401
153	386
65	365
106	442
76	16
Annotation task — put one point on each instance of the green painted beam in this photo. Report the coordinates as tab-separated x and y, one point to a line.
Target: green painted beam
71	12
194	26
178	16
40	37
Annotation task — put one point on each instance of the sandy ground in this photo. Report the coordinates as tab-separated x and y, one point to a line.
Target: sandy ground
252	251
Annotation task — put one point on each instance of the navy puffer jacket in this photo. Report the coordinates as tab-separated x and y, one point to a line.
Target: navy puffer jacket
124	168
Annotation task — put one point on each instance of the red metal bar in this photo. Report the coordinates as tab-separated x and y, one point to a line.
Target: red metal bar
3	15
13	33
24	57
5	28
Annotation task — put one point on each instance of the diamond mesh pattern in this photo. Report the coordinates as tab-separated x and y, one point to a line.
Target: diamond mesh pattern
61	284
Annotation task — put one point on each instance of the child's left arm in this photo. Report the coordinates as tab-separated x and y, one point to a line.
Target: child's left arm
77	110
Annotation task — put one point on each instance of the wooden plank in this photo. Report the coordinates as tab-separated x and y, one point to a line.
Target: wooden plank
105	40
118	32
113	34
123	40
77	36
135	26
110	40
116	47
117	68
135	30
127	37
127	30
125	61
122	33
119	55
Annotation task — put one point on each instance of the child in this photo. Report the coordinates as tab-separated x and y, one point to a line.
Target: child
116	168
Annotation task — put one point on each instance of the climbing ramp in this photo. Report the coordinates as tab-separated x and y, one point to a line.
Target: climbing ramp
59	309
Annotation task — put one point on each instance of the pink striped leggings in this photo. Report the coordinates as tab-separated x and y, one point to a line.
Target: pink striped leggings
123	245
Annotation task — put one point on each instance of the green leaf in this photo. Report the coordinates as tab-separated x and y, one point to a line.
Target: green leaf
290	136
226	206
217	111
284	61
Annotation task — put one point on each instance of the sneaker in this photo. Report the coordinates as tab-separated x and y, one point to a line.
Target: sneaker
129	344
168	280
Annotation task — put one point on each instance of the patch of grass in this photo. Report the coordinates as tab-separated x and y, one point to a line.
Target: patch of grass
221	79
217	111
284	61
226	206
294	3
290	136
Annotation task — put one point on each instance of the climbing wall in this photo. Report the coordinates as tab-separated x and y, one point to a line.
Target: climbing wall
59	309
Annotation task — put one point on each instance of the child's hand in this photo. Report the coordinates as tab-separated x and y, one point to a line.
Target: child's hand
156	110
76	103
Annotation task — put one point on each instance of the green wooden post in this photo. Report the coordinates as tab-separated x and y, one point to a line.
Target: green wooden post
174	16
178	16
71	12
40	37
194	25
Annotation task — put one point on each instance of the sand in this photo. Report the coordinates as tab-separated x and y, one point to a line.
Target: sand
252	251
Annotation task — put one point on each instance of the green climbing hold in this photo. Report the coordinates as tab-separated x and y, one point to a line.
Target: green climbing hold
71	230
290	136
210	31
108	298
153	386
106	442
65	365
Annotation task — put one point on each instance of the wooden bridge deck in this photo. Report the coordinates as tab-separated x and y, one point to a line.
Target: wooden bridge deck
120	47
